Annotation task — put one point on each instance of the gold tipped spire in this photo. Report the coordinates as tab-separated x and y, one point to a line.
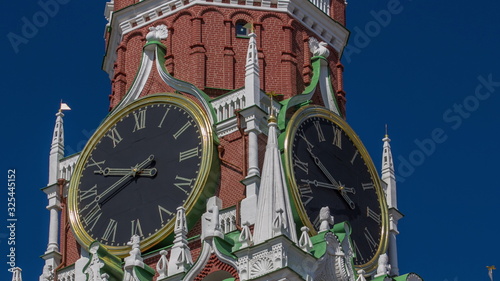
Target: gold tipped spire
249	26
271	96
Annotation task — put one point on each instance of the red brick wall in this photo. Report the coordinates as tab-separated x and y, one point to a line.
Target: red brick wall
202	49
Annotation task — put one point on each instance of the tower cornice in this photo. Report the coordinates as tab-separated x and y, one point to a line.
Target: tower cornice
145	13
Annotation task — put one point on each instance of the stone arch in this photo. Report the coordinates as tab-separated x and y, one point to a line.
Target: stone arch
269	15
219	269
241	15
181	14
202	12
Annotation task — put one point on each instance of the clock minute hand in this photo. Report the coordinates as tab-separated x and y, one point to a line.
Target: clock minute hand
331	179
132	172
329	185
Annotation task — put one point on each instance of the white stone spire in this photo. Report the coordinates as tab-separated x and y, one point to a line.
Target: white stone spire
252	115
16	274
180	255
56	149
252	70
388	175
389	178
274	213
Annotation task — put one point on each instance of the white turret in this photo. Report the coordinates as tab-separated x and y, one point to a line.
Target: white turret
274	213
56	149
389	178
252	114
53	190
16	274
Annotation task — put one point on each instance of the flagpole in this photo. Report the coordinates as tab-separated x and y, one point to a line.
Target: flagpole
490	271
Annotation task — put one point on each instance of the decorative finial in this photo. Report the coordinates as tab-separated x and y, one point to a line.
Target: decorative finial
490	271
386	131
271	96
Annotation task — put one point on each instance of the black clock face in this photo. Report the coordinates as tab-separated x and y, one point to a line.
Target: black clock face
330	168
141	169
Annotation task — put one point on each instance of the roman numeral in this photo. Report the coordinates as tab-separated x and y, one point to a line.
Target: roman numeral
94	163
337	137
162	210
299	164
188	154
110	230
354	157
184	183
321	137
114	136
140	120
359	256
163	118
309	145
182	129
317	222
305	193
84	194
367	186
369	238
373	215
93	216
136	228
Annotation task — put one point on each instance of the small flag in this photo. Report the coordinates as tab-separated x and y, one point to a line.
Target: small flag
64	106
490	271
249	27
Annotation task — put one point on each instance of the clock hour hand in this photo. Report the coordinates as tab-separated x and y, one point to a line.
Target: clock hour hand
331	186
132	173
331	179
125	171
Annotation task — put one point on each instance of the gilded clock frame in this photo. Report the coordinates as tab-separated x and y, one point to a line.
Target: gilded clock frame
205	183
312	111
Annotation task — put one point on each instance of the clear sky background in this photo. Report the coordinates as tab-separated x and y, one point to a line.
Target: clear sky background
428	69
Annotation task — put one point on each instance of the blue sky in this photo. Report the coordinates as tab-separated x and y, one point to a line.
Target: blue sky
428	69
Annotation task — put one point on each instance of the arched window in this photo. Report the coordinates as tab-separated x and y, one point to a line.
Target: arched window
241	29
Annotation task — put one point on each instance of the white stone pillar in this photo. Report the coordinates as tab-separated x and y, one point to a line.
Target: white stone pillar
253	153
53	245
393	254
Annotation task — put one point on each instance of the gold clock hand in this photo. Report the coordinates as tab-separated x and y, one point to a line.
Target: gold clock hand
124	171
329	185
132	172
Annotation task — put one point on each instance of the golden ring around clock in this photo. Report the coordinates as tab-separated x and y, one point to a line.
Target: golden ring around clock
312	111
203	188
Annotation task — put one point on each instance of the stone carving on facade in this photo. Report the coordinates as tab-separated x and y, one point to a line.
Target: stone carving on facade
210	219
162	265
335	264
157	33
48	273
305	242
383	268
318	48
93	268
361	275
246	238
326	219
134	263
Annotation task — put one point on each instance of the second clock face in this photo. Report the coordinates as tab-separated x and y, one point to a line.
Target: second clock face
138	170
330	167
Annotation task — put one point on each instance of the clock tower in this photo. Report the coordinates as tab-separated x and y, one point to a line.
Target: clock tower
225	155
